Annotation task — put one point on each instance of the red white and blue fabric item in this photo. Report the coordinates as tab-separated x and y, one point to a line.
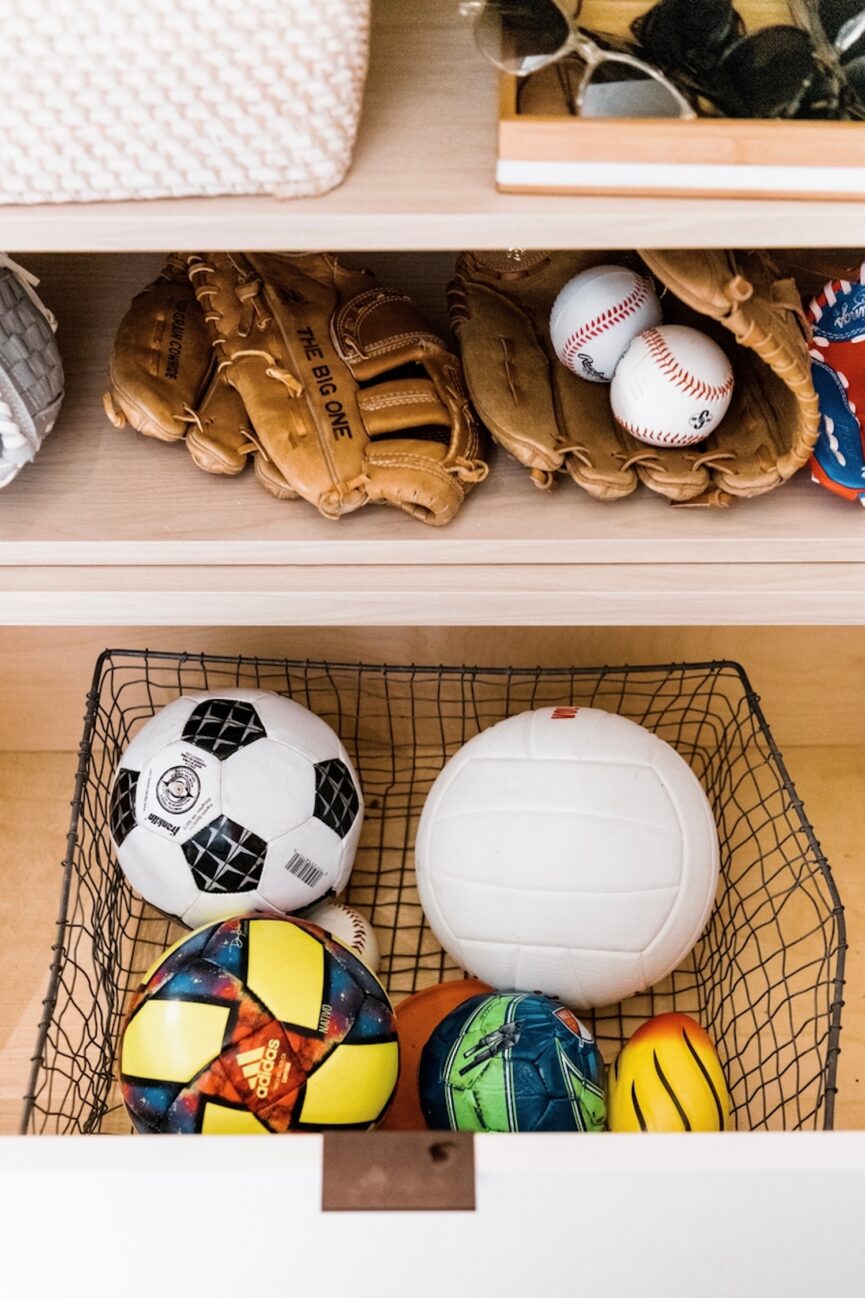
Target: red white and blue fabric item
837	318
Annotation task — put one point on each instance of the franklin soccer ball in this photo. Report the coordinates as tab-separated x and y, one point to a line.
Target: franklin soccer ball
257	1025
568	851
512	1063
235	802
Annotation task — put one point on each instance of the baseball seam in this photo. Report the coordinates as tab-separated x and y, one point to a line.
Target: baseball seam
606	320
356	926
658	434
671	369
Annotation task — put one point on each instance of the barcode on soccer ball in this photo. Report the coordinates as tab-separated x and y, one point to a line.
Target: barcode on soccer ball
304	869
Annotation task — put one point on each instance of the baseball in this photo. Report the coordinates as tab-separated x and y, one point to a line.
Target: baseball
672	387
596	315
349	926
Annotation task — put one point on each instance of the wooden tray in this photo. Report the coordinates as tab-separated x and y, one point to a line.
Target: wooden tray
543	149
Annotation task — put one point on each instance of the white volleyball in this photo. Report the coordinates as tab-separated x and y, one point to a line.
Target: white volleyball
568	851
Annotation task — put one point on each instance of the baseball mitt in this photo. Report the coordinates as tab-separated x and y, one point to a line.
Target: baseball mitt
837	318
335	387
551	420
31	371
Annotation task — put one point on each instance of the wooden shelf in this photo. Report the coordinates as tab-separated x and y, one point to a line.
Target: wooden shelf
108	527
423	177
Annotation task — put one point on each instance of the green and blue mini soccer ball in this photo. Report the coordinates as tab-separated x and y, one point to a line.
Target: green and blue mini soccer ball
512	1062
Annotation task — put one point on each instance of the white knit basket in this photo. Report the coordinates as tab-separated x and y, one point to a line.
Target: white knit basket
113	99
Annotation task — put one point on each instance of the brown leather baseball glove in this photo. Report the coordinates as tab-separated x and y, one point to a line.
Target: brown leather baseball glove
551	420
334	386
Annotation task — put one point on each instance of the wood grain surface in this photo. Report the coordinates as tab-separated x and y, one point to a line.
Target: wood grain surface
423	177
811	680
200	549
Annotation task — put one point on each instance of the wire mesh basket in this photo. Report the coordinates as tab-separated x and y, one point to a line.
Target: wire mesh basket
765	978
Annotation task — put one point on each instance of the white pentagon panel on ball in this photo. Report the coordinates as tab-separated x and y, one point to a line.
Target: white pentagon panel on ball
268	787
291	723
209	907
178	790
163	728
568	851
304	865
158	870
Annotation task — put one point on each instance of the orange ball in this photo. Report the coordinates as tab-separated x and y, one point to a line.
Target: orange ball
417	1017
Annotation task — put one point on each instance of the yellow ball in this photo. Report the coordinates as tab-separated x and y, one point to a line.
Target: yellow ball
258	1024
668	1078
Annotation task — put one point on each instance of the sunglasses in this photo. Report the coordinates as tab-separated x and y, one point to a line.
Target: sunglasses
843	22
522	37
780	71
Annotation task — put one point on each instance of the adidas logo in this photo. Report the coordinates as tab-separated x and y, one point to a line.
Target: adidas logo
257	1067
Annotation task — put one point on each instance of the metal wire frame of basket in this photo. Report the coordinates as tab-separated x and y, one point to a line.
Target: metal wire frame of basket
765	978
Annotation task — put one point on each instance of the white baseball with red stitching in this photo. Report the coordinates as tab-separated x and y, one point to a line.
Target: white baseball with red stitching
349	927
672	387
596	315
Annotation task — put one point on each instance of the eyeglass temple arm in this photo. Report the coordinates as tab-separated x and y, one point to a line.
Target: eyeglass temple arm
805	15
849	33
594	55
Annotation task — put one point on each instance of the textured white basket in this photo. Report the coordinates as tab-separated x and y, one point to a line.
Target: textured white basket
114	99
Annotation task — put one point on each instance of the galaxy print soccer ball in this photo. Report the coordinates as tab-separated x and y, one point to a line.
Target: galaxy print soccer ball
232	802
512	1062
258	1025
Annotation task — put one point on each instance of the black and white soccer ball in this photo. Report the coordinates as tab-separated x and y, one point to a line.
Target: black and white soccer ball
231	802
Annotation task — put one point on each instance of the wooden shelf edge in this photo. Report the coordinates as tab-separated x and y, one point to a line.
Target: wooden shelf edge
562	595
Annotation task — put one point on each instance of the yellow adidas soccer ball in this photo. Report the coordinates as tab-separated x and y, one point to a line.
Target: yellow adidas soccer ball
258	1024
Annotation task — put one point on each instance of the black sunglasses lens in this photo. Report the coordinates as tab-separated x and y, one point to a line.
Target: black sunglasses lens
840	25
834	14
682	33
521	35
854	73
767	74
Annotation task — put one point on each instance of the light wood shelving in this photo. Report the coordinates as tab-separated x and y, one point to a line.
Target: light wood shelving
423	177
221	552
213	551
109	530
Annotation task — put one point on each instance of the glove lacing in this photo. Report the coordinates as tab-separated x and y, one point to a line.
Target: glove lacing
193	419
254	312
